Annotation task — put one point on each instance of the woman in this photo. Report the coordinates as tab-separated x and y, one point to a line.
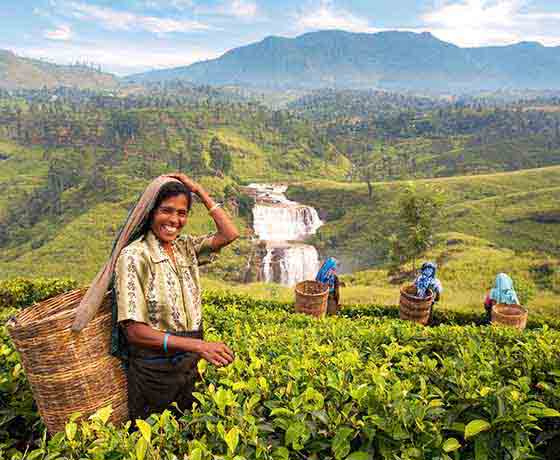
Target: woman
157	313
427	283
327	275
502	292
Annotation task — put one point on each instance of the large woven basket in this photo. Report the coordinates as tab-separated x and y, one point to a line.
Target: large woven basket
510	315
413	308
69	372
311	298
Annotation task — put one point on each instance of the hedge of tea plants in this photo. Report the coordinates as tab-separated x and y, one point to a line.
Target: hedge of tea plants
362	387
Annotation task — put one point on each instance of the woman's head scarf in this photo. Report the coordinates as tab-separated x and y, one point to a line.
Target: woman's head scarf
503	291
131	230
327	272
427	280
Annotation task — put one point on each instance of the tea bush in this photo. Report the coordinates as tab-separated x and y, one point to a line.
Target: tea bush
20	292
353	388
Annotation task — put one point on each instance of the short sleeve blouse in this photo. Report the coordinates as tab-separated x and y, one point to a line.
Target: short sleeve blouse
151	289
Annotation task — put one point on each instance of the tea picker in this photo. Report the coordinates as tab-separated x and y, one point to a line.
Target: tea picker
417	300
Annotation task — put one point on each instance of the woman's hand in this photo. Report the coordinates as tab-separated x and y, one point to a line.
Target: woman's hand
216	353
193	186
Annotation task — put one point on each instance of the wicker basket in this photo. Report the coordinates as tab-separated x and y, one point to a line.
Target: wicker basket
69	372
510	315
311	298
413	308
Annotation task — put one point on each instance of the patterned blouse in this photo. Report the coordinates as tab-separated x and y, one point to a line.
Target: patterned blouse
151	289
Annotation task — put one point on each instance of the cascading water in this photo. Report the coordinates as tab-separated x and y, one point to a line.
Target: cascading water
280	225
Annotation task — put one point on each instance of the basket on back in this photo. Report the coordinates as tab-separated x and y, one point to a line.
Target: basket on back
69	372
510	315
413	308
311	298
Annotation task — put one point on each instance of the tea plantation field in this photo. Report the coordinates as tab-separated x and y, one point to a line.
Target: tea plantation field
364	385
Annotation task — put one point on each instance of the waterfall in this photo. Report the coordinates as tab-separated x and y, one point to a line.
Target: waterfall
281	225
285	222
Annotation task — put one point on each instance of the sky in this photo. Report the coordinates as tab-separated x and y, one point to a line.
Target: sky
129	36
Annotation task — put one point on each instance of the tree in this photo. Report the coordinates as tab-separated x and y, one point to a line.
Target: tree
419	213
220	157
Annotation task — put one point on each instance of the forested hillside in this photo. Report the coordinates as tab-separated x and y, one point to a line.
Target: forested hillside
74	162
17	72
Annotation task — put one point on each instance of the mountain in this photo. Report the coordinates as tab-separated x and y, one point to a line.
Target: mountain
389	60
17	72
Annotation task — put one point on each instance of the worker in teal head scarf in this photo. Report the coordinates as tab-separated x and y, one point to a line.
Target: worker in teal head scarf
502	292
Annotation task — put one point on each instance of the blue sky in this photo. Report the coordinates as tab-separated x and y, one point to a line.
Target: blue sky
127	36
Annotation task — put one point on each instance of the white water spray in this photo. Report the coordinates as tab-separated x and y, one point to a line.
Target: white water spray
282	224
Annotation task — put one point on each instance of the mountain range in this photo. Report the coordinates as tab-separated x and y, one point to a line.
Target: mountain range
387	60
332	58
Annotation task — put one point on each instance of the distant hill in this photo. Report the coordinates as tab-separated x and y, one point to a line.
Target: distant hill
17	72
390	60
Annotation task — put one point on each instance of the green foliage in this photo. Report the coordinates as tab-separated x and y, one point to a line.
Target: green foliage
555	281
525	290
21	292
499	208
340	388
220	157
418	218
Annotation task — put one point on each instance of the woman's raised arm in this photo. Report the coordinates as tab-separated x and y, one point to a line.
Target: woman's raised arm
226	230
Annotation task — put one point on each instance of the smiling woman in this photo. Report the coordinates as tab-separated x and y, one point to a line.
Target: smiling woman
157	311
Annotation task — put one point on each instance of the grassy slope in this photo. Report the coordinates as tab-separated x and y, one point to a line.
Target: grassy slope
490	224
253	162
498	207
468	266
21	172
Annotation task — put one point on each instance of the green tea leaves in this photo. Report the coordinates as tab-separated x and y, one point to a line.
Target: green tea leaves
145	429
450	445
70	430
232	439
475	427
341	442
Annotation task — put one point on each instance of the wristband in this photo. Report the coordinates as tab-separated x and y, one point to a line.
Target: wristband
165	339
213	208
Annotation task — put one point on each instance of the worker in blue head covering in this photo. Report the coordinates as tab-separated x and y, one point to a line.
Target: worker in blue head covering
427	283
327	275
503	292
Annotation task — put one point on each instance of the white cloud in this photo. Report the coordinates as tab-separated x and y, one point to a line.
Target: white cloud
163	4
126	20
118	58
63	32
181	4
240	9
326	16
492	22
245	10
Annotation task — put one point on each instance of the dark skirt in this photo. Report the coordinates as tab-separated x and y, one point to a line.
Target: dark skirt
155	380
332	305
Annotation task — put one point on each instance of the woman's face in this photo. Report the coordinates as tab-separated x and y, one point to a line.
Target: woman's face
169	218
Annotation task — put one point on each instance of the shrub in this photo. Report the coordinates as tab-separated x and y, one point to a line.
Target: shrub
20	292
364	386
